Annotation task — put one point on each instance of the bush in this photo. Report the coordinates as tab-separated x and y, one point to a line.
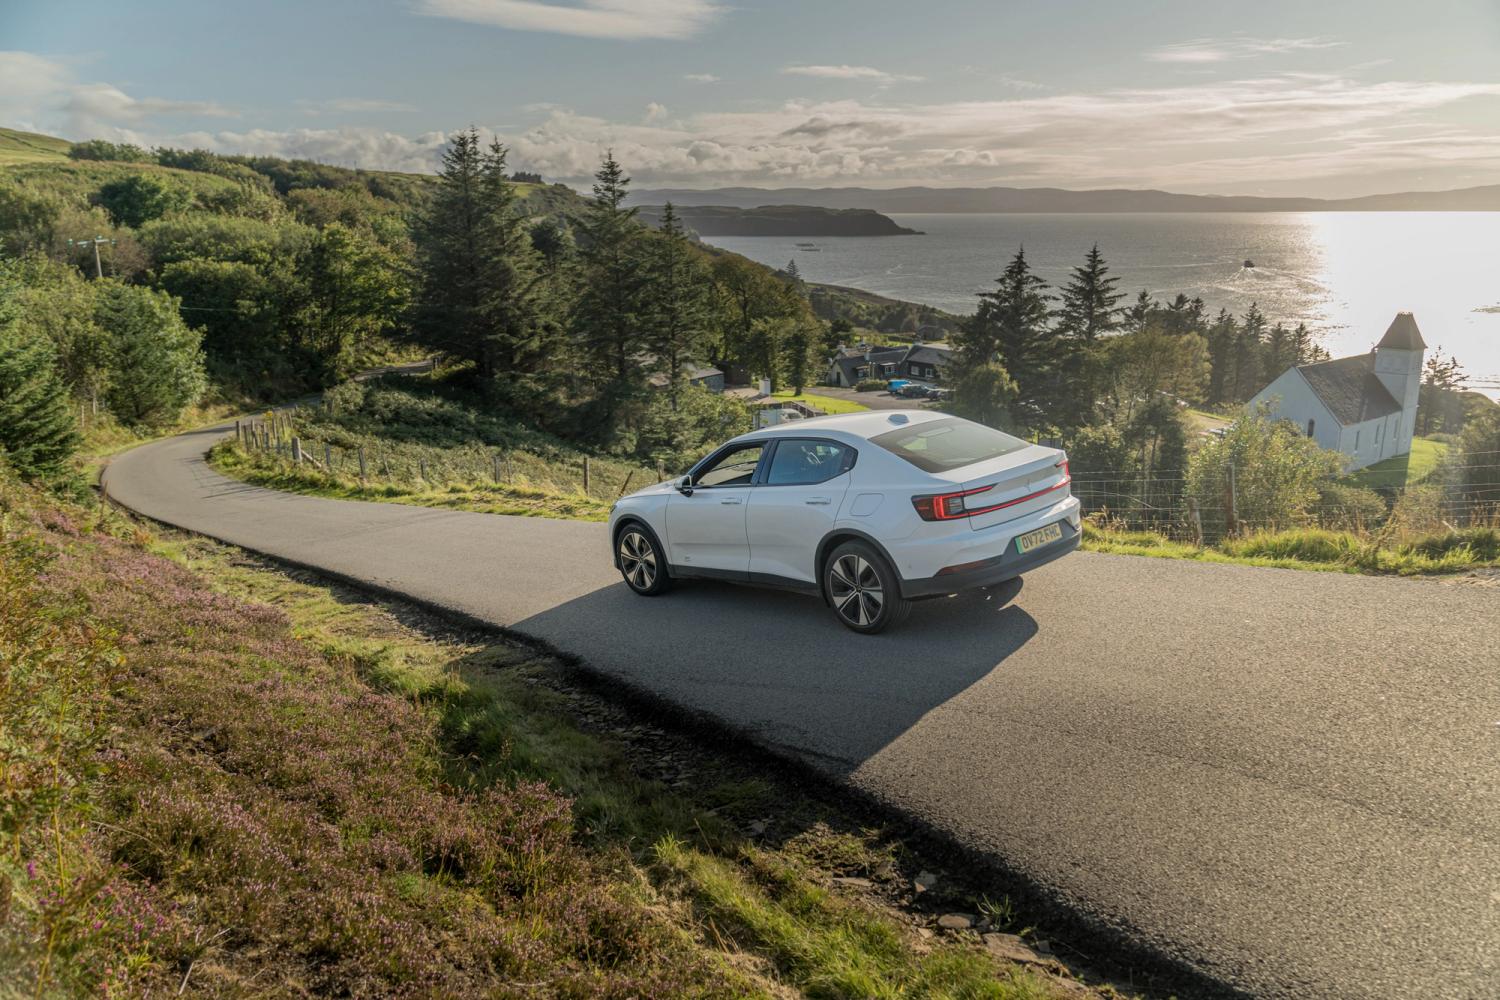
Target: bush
136	200
1352	508
869	385
1278	472
37	431
99	149
156	361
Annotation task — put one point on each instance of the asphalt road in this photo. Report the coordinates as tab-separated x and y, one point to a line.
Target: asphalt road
1290	780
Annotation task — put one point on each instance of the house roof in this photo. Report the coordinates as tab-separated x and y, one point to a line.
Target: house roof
929	354
852	358
1403	334
691	372
1350	388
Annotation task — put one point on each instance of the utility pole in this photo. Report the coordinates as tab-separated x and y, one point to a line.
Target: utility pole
98	266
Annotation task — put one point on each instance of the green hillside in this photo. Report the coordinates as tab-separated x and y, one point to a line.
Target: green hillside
29	147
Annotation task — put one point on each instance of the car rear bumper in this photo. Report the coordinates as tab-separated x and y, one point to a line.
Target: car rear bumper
997	569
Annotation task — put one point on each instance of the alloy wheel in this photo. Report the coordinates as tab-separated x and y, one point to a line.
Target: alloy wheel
855	588
637	560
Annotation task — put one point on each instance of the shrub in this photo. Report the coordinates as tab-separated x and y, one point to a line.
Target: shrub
99	149
869	385
1351	508
156	360
37	431
138	199
1278	472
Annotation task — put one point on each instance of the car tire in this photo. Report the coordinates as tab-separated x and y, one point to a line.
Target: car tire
642	561
863	589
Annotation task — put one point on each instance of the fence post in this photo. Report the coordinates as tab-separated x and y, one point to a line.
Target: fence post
328	457
661	471
296	451
626	485
1196	519
422	469
1231	512
361	463
495	468
585	474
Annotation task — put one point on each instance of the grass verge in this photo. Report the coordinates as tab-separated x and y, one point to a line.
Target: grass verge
226	779
1457	551
828	404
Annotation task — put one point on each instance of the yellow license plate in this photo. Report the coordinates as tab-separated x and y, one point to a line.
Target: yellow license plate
1041	536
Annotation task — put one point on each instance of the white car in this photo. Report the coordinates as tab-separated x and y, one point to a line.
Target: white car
871	510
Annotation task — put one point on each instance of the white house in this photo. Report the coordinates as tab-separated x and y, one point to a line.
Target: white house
1364	406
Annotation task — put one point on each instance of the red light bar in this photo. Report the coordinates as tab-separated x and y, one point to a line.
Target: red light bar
952	506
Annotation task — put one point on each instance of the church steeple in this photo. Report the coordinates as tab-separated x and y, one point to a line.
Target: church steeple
1398	364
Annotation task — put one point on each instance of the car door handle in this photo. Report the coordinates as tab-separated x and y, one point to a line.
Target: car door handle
818	501
731	500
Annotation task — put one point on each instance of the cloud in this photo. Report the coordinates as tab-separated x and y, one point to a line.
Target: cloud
1330	133
700	78
847	73
619	19
1207	50
43	94
353	105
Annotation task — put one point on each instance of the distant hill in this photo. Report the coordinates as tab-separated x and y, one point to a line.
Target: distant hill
1012	199
779	220
29	147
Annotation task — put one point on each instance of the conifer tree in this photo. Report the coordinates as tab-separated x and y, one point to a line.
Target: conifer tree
1089	302
675	302
37	431
1011	326
482	294
607	317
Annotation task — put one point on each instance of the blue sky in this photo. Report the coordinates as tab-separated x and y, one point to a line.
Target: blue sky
1271	97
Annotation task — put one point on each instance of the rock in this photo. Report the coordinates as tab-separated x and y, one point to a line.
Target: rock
757	828
1012	949
955	921
1041	947
924	933
924	881
852	882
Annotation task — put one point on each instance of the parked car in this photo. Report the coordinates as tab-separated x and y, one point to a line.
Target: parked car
895	385
914	390
934	393
872	511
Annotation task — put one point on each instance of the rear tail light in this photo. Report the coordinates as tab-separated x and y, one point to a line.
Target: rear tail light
961	503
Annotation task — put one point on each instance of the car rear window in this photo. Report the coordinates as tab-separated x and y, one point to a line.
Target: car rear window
944	445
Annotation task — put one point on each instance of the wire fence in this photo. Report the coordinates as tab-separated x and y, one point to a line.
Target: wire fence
1166	502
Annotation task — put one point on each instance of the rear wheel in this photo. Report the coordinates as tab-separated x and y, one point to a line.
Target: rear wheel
641	561
863	589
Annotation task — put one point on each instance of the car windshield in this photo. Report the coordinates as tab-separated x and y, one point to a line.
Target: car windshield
944	445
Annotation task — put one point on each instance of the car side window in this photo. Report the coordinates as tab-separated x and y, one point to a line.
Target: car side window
733	468
797	462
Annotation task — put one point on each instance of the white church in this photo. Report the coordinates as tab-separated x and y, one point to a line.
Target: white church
1364	406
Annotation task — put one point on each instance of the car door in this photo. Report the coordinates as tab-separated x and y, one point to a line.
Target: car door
706	524
796	503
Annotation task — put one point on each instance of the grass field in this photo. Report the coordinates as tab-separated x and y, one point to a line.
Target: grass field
225	779
29	147
1403	469
828	404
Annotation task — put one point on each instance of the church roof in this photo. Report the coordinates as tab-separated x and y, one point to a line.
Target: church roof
1350	388
1403	334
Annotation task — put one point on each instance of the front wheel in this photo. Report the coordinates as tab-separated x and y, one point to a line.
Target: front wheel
641	562
863	589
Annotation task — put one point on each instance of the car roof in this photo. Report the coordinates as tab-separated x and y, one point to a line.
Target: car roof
864	425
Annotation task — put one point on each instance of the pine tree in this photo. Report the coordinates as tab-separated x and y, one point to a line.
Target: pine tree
37	432
1139	314
607	317
675	302
1249	354
1089	310
1222	336
156	360
483	296
1011	326
1089	307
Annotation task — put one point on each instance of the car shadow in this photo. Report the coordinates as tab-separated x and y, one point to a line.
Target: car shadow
779	668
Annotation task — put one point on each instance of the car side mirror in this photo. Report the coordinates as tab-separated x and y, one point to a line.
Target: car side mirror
685	486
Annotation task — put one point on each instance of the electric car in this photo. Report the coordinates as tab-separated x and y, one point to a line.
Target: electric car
871	511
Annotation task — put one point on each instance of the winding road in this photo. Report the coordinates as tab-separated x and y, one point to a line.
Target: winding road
1288	780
